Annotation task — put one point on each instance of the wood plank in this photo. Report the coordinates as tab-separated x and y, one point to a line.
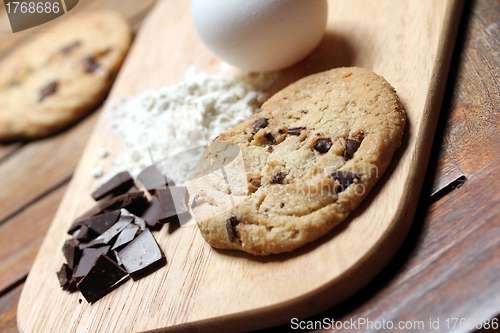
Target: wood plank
8	306
22	235
447	267
194	270
40	166
7	149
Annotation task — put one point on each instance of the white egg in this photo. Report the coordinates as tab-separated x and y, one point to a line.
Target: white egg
260	35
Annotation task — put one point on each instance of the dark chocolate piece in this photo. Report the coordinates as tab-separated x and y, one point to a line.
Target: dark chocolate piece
48	90
90	64
117	185
269	137
87	261
258	124
101	223
323	145
107	236
278	178
64	275
142	256
84	234
150	215
270	149
345	179
135	202
71	252
173	202
126	236
101	279
295	130
231	224
152	179
70	47
351	146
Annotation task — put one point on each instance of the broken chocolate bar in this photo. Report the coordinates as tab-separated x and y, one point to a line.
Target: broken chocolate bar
152	179
101	223
71	252
64	275
101	279
150	215
142	256
173	202
117	185
126	236
87	261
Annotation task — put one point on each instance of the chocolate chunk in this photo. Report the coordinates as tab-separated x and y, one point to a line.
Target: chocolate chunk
48	90
90	64
84	234
107	236
323	145
295	130
126	236
135	202
117	185
87	261
269	137
258	124
232	233
173	202
345	179
152	179
150	215
142	256
351	146
101	279
71	252
64	275
278	178
70	47
101	223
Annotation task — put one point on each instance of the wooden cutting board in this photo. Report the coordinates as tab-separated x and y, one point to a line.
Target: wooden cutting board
408	42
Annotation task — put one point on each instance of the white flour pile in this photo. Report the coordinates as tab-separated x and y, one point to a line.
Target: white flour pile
159	124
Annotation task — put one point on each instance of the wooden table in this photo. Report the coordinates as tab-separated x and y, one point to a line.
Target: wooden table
449	265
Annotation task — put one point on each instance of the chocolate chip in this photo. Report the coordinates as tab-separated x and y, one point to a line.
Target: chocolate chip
231	228
305	111
295	130
278	178
323	145
351	146
101	279
258	124
345	178
48	90
117	185
269	137
70	47
270	149
90	64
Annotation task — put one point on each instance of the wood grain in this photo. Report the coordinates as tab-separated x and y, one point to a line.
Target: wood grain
8	302
30	169
332	268
22	235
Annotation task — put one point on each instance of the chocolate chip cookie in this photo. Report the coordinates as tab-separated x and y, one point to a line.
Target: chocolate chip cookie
307	160
60	75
